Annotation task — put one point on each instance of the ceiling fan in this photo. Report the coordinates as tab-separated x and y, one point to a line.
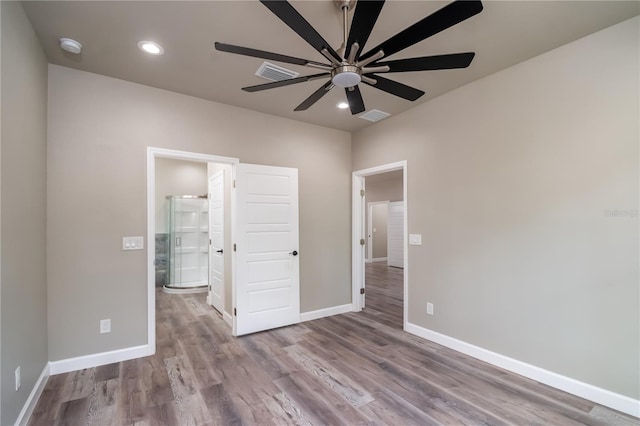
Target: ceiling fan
348	65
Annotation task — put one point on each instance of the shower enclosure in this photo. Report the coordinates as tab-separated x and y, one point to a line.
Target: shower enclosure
188	243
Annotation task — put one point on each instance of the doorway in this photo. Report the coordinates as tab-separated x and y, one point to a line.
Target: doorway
259	191
380	187
158	217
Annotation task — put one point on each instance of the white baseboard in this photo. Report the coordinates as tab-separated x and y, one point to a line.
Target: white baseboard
584	390
326	312
30	403
95	360
379	259
228	318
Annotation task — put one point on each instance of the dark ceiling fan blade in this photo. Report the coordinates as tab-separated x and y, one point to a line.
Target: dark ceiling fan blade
315	97
246	51
283	83
395	88
356	104
429	63
364	18
290	16
448	16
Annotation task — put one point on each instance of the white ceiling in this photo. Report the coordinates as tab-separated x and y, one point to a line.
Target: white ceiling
503	34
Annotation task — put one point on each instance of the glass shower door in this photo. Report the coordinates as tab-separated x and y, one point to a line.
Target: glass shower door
188	241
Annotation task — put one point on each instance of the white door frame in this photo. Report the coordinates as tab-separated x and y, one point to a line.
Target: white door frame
152	154
358	232
370	205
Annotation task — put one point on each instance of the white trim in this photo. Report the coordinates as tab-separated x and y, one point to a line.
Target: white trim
357	229
357	251
96	360
379	259
152	154
228	318
30	403
584	390
326	312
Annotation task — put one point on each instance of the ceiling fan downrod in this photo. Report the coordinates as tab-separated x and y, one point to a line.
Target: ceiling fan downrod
349	73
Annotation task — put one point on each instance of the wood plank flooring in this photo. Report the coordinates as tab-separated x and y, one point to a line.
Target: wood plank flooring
347	369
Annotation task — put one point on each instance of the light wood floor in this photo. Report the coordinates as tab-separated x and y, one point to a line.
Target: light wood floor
344	370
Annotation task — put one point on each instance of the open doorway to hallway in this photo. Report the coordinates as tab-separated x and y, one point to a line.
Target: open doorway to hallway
380	244
384	263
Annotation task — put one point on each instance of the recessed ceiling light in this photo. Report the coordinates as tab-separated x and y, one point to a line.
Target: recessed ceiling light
343	105
151	47
70	45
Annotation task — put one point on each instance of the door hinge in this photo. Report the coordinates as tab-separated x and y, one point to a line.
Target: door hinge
209	287
235	313
234	183
362	290
209	241
361	241
234	246
362	192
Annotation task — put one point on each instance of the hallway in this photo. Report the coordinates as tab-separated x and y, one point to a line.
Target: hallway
384	294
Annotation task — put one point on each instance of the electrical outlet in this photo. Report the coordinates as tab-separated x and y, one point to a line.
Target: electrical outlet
430	308
18	379
105	326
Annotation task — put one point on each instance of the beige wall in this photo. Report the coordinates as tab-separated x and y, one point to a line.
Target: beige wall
512	181
23	209
102	127
176	177
389	189
379	213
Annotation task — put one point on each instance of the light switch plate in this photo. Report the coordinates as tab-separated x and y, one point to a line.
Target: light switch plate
132	243
415	239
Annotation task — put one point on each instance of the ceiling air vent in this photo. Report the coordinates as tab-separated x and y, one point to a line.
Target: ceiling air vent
374	115
275	73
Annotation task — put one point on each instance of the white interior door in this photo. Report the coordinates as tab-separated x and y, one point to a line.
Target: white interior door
267	286
216	238
395	234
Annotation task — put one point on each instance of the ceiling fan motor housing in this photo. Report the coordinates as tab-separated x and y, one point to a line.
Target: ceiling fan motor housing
346	76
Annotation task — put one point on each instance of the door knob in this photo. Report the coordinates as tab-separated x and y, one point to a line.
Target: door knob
294	253
219	251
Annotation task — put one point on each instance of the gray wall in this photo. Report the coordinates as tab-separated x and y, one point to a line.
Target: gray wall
524	186
23	209
102	126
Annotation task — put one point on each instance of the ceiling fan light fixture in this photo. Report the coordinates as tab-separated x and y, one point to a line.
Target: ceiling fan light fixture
346	76
346	79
